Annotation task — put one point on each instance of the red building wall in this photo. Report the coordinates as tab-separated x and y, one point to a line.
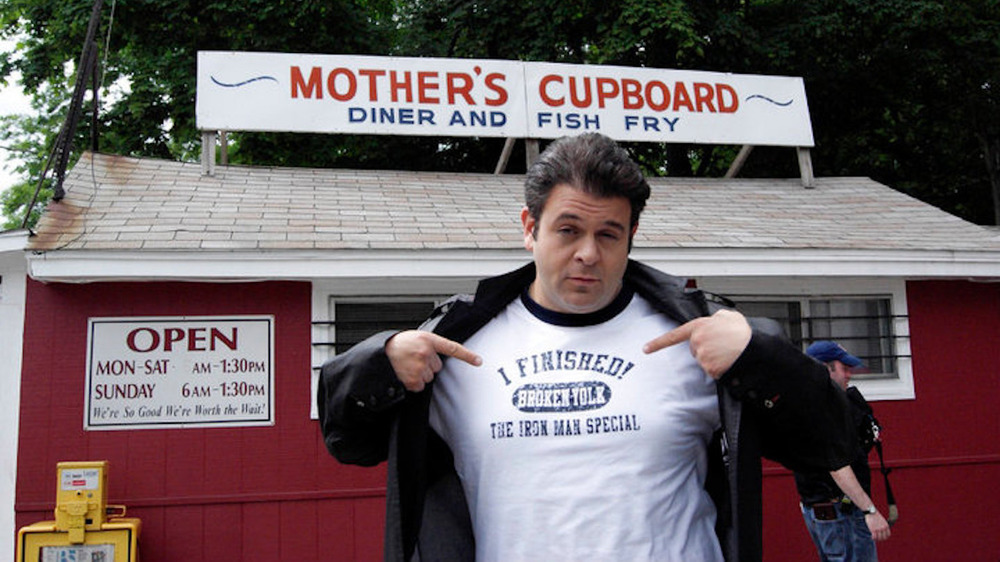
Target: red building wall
273	493
943	447
252	493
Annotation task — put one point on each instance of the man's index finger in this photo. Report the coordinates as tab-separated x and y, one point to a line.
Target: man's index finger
673	337
454	349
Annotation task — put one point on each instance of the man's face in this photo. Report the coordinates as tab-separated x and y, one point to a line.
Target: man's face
580	245
840	373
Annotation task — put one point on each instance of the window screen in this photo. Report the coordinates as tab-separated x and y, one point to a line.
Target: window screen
863	325
355	321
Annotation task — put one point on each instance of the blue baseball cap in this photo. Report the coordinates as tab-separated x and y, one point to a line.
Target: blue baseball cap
826	351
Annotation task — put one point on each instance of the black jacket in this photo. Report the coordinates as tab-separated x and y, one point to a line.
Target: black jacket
817	487
774	402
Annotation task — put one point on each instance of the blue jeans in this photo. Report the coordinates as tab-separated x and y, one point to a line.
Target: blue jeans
844	539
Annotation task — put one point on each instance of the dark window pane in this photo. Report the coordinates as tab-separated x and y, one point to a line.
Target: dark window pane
355	321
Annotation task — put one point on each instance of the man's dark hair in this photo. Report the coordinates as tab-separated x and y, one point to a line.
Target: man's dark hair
592	163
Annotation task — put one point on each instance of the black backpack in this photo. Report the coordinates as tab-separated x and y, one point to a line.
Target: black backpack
869	430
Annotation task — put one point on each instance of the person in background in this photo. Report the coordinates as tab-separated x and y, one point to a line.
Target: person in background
584	406
842	519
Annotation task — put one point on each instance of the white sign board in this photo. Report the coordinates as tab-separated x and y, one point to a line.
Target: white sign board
251	91
648	104
79	479
240	91
162	372
78	553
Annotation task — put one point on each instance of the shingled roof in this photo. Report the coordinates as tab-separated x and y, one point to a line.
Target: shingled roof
144	205
114	202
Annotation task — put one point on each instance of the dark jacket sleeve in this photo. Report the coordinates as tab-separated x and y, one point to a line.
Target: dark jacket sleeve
804	416
358	393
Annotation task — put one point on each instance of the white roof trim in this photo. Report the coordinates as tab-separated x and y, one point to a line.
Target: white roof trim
823	262
89	266
13	240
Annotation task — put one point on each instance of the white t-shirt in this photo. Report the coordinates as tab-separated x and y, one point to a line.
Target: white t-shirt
572	444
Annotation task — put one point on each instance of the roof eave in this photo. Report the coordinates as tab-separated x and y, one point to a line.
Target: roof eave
70	266
13	240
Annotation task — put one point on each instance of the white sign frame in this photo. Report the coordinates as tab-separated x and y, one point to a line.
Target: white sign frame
255	91
161	372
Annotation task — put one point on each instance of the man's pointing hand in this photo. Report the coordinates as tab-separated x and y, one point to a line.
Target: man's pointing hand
716	341
415	356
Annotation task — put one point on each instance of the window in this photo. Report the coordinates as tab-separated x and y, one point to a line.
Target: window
867	316
354	321
863	326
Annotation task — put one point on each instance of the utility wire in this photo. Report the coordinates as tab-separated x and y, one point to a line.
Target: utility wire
64	141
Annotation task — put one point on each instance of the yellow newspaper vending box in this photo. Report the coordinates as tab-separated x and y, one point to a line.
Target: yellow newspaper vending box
86	528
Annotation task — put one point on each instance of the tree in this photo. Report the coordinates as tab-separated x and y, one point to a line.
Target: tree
148	85
903	91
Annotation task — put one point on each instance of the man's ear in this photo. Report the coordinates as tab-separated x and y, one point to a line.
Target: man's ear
529	223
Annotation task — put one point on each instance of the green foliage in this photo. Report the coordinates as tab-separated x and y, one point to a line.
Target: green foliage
148	86
903	91
29	136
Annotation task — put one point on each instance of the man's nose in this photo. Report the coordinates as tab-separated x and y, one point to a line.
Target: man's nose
588	251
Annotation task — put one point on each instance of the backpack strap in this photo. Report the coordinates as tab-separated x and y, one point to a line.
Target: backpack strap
890	498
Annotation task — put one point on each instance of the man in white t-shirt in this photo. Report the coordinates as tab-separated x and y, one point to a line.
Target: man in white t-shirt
584	406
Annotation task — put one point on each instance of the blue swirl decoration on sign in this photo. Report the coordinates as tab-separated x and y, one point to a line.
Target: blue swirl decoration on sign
245	82
765	98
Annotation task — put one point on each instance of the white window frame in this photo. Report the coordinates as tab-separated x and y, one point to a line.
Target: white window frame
813	288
